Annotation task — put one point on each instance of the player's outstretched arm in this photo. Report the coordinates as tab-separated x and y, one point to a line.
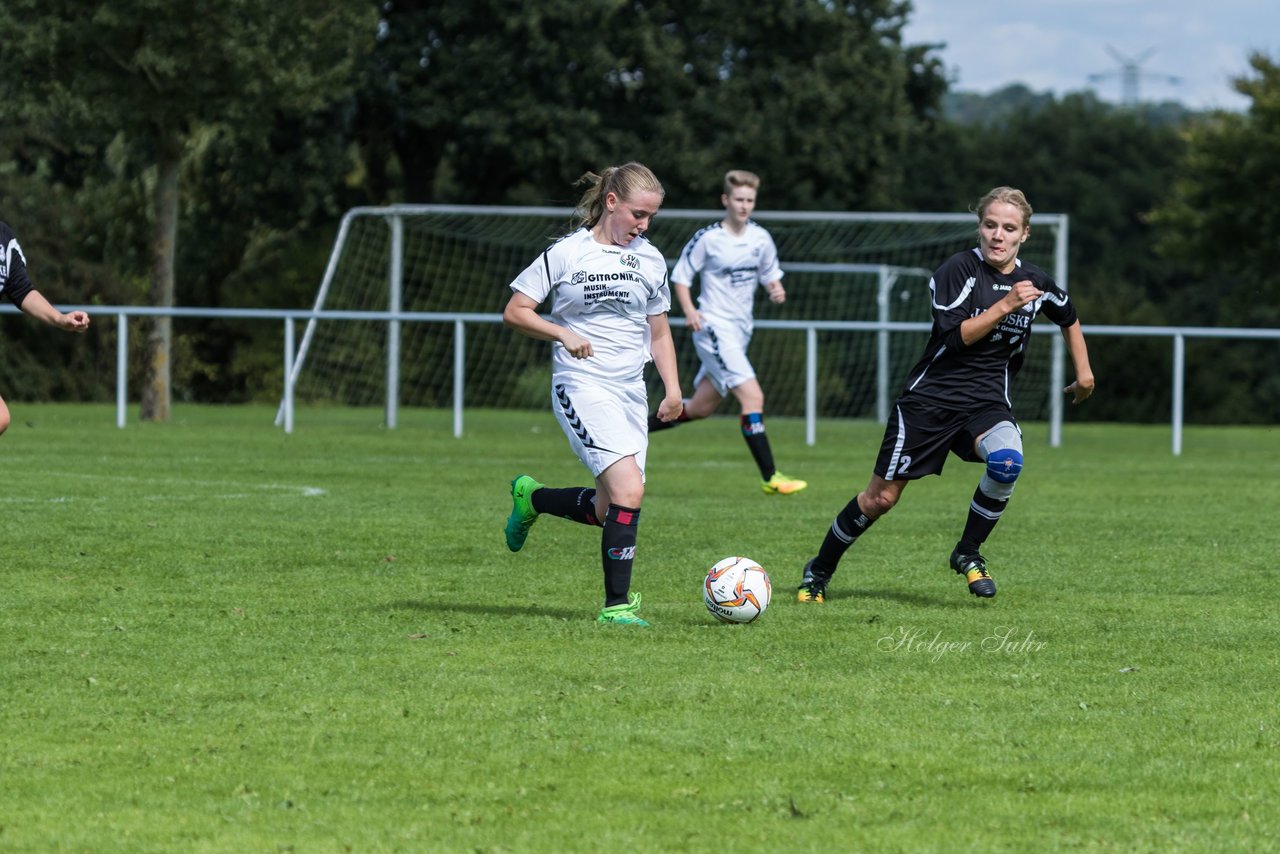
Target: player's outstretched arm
1083	386
40	308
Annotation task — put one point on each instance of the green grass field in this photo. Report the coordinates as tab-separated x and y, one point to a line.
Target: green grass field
217	637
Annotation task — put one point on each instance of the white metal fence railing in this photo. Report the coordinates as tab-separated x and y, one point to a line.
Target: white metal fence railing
459	321
440	249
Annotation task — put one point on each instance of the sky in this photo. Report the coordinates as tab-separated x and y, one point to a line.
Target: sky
1056	45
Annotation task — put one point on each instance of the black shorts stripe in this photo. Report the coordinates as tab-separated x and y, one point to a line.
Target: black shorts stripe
575	423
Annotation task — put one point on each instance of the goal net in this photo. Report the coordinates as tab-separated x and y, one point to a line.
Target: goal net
409	312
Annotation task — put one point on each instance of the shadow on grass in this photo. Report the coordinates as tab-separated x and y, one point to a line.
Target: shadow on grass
486	610
916	599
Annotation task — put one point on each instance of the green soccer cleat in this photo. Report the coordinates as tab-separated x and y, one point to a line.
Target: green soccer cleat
624	614
522	513
974	569
780	484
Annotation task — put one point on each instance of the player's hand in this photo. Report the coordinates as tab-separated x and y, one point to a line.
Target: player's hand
670	408
694	321
1080	389
74	321
777	294
578	347
1022	293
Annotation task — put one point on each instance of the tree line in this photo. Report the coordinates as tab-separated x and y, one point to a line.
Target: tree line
152	155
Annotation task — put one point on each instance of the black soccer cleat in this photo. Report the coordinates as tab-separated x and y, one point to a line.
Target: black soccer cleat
812	590
974	569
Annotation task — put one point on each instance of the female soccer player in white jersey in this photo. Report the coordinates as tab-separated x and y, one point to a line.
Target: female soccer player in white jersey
956	398
733	257
17	287
608	318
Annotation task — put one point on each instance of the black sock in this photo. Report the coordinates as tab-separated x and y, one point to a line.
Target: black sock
577	503
984	513
850	523
758	443
656	423
618	551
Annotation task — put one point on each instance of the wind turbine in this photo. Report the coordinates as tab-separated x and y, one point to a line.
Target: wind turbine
1130	73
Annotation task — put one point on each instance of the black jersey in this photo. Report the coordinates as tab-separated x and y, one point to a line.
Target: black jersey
953	376
13	267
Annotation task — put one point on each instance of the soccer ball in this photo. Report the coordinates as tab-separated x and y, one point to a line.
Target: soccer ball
736	590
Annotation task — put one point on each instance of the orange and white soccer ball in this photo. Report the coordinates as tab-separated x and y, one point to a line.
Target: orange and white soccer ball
737	590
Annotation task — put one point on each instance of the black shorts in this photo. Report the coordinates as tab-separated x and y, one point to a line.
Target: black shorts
919	436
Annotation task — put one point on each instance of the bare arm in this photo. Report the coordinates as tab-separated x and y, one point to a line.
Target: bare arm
977	328
685	297
664	359
521	315
38	307
1083	386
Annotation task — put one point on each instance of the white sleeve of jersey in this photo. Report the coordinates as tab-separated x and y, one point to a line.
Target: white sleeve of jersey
13	265
770	269
660	297
692	259
538	278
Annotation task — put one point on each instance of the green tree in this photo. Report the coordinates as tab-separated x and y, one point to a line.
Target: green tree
1108	168
487	100
1221	221
156	73
1221	225
818	97
502	101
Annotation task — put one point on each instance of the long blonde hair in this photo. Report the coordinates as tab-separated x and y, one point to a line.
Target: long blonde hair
625	182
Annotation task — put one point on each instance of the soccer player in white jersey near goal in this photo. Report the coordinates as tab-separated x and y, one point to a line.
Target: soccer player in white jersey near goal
733	257
610	298
16	285
956	398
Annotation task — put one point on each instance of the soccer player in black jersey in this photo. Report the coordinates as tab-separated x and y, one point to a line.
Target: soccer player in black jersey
17	287
956	399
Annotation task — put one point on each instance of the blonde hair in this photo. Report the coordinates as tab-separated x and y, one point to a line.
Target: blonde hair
1009	196
625	182
735	178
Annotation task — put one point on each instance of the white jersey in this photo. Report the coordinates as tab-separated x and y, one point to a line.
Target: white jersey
603	293
732	266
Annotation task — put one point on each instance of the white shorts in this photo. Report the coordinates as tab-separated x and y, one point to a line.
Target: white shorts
722	348
602	423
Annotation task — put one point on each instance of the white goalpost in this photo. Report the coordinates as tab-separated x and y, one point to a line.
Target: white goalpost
409	310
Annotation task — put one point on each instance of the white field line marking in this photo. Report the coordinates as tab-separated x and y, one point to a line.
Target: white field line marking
300	490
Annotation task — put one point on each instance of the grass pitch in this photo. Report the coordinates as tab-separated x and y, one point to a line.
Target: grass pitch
220	638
